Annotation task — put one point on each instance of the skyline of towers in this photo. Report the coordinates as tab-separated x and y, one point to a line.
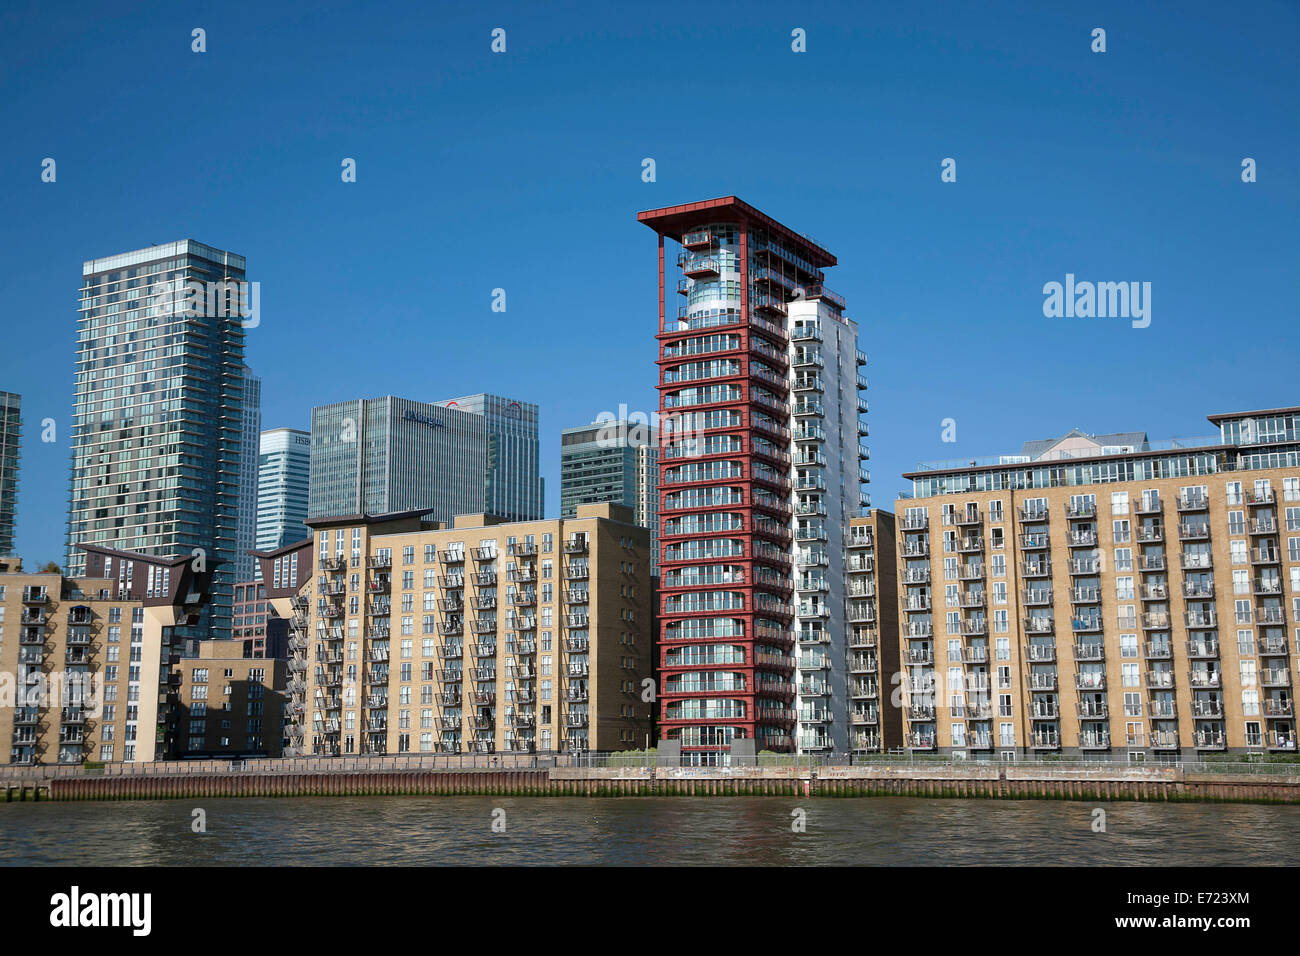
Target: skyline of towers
471	455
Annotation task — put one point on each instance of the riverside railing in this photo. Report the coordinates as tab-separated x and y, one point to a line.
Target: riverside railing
1245	765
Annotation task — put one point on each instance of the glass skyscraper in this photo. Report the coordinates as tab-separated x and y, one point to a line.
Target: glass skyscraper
10	442
614	461
283	482
245	563
513	484
158	417
380	455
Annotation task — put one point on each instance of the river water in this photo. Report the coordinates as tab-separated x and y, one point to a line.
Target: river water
669	831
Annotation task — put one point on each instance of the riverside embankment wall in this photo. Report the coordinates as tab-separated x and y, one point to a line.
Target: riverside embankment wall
1169	783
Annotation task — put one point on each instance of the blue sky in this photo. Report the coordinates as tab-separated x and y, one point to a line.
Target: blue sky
523	171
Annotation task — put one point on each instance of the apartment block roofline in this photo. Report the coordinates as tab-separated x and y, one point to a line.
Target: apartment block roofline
283	549
1229	416
163	250
366	519
1154	450
673	221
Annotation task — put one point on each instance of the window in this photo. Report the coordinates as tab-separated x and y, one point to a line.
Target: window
1119	503
1123	559
1129	674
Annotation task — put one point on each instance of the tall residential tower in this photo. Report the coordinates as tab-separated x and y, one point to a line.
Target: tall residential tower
158	412
759	460
11	425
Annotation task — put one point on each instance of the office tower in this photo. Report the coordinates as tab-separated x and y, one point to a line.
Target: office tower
758	376
158	417
614	461
1106	594
513	486
283	485
383	455
11	428
245	565
477	637
92	657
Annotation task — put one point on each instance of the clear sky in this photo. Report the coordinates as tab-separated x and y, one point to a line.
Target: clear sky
522	171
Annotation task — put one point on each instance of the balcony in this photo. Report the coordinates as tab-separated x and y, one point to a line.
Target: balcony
1034	514
1270	615
1040	653
1038	569
1164	740
1263	526
1265	556
1274	677
1085	595
1046	741
1193	532
1159	650
1094	740
1205	679
1038	598
1082	539
1207	709
1198	590
1081	509
1210	741
1089	652
1034	542
1159	680
921	741
1279	708
1155	622
1273	646
917	656
1151	534
1043	682
1201	619
1147	506
1202	649
1090	680
1162	709
968	571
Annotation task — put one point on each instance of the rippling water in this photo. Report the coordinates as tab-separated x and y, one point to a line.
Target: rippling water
673	831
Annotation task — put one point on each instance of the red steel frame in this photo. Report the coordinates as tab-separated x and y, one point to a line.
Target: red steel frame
774	700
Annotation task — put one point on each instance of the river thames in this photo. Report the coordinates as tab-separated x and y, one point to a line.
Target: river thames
671	831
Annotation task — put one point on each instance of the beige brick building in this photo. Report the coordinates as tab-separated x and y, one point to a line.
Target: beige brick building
86	663
230	705
482	637
872	621
1106	594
